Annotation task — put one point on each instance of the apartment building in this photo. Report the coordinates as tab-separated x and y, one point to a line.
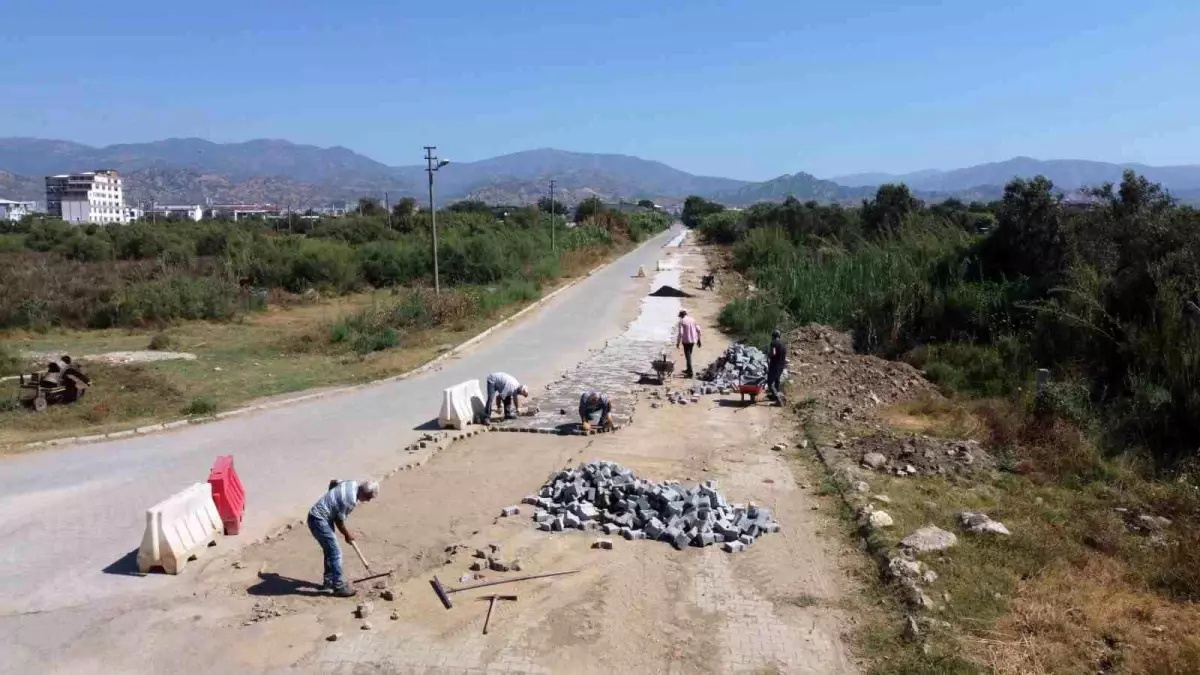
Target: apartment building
10	210
90	197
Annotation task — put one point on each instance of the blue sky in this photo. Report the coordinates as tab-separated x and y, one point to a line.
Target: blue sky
742	89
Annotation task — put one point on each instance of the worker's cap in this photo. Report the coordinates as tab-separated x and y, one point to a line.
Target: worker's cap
369	489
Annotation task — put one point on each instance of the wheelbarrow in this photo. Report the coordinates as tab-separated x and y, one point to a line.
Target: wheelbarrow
663	368
751	389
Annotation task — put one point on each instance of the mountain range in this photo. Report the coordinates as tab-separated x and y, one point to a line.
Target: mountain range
192	170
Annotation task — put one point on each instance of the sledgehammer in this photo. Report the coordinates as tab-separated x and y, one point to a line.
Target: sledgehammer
443	593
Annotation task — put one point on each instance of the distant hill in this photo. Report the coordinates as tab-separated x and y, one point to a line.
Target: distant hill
1067	174
192	170
802	186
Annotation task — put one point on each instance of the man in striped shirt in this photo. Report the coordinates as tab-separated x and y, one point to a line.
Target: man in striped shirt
508	389
688	337
593	402
331	512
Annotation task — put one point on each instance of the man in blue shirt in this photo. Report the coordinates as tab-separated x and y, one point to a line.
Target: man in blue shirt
331	511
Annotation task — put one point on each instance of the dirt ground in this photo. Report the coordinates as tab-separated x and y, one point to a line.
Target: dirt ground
640	607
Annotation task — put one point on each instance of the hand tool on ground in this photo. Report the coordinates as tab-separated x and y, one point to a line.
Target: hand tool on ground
370	575
443	592
492	603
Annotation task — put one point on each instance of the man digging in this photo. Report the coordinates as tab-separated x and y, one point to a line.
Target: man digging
329	512
688	337
776	362
509	390
593	402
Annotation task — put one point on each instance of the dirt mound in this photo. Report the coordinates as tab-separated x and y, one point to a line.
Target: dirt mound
918	455
849	386
669	292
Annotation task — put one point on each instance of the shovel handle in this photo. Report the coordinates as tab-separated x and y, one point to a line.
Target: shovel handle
360	555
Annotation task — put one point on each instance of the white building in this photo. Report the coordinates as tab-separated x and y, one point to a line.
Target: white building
10	210
195	212
91	197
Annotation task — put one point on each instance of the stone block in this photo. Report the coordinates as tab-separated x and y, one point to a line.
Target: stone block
605	544
746	539
734	547
510	511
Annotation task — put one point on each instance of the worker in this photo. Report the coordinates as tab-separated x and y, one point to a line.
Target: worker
329	512
507	388
776	363
592	402
688	336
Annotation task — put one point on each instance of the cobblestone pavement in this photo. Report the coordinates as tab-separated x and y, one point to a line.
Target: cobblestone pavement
615	368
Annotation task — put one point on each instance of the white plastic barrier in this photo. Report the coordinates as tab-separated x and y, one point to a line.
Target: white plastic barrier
641	271
460	405
178	528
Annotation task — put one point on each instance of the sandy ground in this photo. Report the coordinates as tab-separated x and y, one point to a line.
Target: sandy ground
640	607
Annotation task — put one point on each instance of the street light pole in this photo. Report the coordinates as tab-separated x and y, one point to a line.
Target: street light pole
553	247
432	163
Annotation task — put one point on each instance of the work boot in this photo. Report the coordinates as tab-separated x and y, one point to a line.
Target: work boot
344	591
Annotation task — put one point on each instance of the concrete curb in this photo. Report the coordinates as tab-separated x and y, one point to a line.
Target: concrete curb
425	367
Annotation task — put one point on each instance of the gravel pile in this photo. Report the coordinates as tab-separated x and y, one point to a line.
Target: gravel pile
738	365
606	496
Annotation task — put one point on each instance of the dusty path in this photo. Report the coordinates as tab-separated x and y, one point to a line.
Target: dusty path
641	607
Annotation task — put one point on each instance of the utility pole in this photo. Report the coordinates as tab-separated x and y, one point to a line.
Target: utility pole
387	207
553	247
432	164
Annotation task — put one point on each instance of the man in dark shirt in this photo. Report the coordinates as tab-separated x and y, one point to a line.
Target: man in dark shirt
776	363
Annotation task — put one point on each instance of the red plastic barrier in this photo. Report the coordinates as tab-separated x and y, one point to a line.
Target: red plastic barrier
228	493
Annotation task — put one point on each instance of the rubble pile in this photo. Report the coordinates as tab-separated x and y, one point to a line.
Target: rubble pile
606	496
738	365
918	454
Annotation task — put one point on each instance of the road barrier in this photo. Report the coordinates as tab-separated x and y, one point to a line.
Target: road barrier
461	404
227	493
178	528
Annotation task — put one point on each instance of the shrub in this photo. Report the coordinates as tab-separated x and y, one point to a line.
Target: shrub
201	405
161	342
9	363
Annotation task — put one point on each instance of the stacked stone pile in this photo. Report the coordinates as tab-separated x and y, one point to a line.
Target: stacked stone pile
739	365
606	496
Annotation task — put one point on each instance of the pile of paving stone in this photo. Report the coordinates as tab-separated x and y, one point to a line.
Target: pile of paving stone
739	364
606	496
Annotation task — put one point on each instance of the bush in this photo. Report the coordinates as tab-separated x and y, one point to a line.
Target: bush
9	363
161	342
174	298
201	405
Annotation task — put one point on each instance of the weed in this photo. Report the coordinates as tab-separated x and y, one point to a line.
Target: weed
161	342
201	405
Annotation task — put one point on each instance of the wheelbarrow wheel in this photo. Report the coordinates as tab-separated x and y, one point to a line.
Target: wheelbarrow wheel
39	403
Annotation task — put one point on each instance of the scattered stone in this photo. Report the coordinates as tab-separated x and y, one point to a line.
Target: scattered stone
929	538
388	595
498	565
605	544
882	499
979	523
515	565
364	610
874	460
902	568
379	585
366	625
779	447
510	511
879	519
912	629
734	547
479	565
395	615
237	565
929	577
861	486
334	637
480	553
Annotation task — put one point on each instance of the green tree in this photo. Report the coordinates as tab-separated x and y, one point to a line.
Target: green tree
470	206
1029	239
589	208
560	209
695	208
369	206
646	203
887	211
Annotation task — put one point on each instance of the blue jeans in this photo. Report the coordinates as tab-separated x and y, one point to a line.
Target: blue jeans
322	531
491	400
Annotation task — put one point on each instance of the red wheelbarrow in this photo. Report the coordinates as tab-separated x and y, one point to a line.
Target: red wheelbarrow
753	390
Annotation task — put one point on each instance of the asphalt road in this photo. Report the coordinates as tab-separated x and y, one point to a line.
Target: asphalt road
70	517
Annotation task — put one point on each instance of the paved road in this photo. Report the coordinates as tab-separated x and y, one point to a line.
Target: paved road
68	514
